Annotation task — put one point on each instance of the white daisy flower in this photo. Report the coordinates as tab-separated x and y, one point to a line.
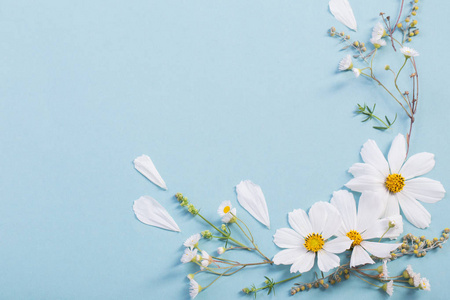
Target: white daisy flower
194	288
396	181
425	284
416	279
346	63
377	42
356	71
378	31
309	238
206	259
389	287
385	269
410	271
192	241
409	52
189	255
221	250
362	226
227	212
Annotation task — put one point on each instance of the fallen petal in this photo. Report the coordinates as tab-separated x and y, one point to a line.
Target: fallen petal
146	167
150	212
343	12
252	199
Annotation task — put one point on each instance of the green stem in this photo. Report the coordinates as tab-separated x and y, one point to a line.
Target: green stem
366	281
396	86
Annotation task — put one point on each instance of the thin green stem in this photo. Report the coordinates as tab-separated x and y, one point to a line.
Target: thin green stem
367	281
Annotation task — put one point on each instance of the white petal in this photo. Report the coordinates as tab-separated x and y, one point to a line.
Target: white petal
288	238
150	212
371	154
414	211
303	263
345	203
299	221
371	206
146	167
381	227
327	261
360	257
361	169
381	250
318	216
332	223
417	165
365	183
289	256
338	245
424	189
392	208
343	12
251	197
397	153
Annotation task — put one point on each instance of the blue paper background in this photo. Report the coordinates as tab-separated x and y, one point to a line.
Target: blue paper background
215	92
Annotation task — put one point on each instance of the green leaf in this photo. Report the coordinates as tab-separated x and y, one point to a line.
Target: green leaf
380	127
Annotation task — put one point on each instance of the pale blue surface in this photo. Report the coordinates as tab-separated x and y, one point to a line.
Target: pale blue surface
215	92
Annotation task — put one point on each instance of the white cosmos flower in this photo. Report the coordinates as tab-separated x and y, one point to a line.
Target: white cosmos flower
424	284
396	181
192	241
227	212
150	212
309	238
377	42
346	63
252	199
194	288
378	31
409	52
356	71
362	226
206	259
189	255
389	287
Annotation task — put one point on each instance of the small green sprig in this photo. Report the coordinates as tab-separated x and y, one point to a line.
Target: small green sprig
369	113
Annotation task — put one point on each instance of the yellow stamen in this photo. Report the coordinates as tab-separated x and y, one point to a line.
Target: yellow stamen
314	242
226	209
355	236
395	183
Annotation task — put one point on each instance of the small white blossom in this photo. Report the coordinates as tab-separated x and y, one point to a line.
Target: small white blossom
221	250
189	255
227	212
356	71
385	269
424	284
194	288
192	241
377	43
410	271
389	287
346	63
206	259
409	52
378	31
416	279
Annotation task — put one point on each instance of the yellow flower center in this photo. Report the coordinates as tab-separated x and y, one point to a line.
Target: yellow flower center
314	242
355	236
226	209
395	183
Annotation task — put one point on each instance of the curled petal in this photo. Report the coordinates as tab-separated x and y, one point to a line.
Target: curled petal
252	199
150	212
146	167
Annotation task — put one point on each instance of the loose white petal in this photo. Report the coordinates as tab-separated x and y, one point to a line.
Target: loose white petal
392	205
338	245
381	250
303	263
371	206
365	183
397	153
345	203
287	238
414	211
150	212
343	12
327	261
371	154
299	221
146	167
289	256
381	227
424	189
417	165
251	197
360	257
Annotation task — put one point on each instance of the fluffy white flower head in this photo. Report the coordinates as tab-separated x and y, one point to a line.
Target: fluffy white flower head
356	71
189	255
194	288
362	226
424	284
389	287
385	269
409	52
309	238
221	250
396	181
416	279
206	259
378	31
192	241
227	212
346	63
377	42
